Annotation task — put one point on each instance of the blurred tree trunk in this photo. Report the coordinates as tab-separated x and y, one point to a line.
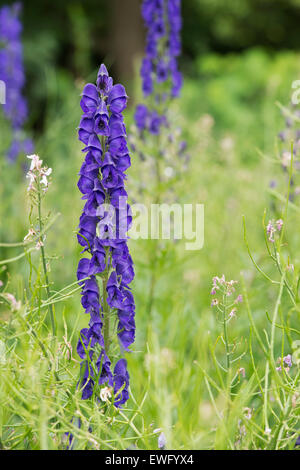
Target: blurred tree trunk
127	36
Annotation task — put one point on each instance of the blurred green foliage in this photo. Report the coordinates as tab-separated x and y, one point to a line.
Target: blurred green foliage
209	25
234	25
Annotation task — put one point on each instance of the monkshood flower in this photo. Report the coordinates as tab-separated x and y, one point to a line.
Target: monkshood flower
107	268
12	74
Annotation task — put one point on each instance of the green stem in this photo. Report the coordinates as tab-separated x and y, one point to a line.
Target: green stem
51	310
272	342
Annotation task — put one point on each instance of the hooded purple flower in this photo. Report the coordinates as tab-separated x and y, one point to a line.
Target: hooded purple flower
90	99
102	233
121	383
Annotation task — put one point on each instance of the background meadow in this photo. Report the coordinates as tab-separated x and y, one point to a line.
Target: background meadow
238	71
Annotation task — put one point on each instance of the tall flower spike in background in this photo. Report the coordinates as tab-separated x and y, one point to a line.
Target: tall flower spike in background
103	235
12	74
161	79
163	46
157	135
161	83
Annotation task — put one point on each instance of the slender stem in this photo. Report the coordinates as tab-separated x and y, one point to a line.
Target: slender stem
51	310
226	333
266	391
273	328
272	342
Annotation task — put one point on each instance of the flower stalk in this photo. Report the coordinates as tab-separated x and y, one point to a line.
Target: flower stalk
102	233
43	256
38	185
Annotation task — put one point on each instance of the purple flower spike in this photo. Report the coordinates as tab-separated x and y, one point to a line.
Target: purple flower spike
102	233
159	70
165	29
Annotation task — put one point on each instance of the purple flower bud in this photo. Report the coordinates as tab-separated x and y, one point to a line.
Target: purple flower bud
104	81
